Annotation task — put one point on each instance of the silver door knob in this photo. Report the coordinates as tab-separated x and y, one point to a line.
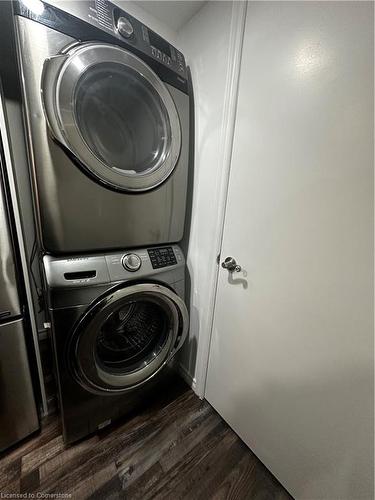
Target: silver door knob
231	265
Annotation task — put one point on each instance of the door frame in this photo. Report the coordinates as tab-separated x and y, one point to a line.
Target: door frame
237	30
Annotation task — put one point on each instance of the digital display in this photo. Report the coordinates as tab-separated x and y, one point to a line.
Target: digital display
158	42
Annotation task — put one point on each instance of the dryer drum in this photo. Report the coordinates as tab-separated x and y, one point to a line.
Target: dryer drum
127	337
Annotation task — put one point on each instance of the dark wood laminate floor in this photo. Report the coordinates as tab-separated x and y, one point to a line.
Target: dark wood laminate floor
190	453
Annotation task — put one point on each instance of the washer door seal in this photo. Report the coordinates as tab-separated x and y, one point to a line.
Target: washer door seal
109	109
126	337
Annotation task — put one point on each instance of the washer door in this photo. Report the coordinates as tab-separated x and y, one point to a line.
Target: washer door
114	114
127	337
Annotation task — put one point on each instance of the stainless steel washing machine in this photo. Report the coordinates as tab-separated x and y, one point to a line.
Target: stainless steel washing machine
107	109
117	322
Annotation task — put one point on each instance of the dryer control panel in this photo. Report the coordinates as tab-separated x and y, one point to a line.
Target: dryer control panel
100	20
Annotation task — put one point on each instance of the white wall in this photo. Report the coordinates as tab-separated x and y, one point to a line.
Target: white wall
211	43
173	14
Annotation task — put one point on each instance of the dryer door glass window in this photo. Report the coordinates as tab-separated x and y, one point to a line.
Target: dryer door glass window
113	114
122	119
127	338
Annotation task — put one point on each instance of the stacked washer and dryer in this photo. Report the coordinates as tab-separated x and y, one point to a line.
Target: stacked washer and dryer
107	111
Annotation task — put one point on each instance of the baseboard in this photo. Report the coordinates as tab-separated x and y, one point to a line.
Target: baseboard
187	376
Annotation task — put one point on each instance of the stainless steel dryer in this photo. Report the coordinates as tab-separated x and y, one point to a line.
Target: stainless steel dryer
117	321
107	110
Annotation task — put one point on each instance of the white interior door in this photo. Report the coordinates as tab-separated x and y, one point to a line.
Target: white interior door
291	361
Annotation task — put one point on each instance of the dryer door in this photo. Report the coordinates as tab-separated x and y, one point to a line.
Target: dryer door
127	337
114	114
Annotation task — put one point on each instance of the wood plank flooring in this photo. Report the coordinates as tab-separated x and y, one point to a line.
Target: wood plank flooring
176	448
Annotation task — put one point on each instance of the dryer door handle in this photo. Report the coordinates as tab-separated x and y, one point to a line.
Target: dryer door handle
51	69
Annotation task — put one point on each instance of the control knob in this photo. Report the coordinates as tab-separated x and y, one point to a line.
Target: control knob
131	262
124	27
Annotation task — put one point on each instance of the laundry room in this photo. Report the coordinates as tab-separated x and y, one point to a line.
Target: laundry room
187	249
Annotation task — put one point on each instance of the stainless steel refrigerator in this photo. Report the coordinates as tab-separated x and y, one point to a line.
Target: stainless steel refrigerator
18	413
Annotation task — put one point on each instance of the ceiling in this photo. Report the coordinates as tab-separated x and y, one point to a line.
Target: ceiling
174	14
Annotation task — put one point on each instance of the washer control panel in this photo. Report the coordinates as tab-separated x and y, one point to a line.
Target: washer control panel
162	257
91	270
131	262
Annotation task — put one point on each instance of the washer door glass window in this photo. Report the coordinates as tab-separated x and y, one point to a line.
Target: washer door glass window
127	338
114	114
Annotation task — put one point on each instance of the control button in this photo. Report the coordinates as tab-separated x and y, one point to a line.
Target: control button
162	257
124	27
131	262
